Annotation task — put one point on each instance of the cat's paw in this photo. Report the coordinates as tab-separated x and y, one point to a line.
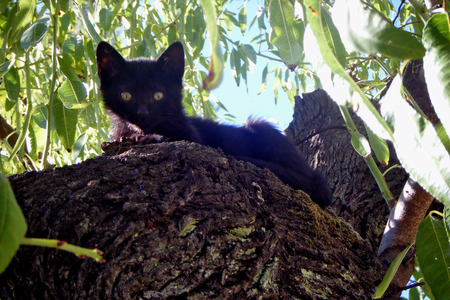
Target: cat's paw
149	139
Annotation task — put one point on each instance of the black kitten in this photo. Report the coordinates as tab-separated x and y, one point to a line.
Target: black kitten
144	96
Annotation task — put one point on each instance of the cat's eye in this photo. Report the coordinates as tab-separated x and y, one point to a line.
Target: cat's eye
158	96
126	96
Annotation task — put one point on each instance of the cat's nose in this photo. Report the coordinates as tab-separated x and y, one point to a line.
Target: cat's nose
142	110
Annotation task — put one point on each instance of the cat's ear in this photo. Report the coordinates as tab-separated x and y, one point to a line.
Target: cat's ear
109	61
172	60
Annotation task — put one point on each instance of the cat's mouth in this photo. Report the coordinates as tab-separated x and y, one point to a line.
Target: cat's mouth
142	111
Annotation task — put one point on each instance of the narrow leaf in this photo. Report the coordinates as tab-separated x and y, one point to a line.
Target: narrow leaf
390	273
65	123
436	38
328	41
79	146
35	33
216	66
281	18
243	20
361	144
73	94
92	32
12	223
433	252
379	147
367	30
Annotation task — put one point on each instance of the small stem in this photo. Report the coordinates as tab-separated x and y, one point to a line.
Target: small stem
383	65
21	139
96	106
78	251
393	167
133	28
46	151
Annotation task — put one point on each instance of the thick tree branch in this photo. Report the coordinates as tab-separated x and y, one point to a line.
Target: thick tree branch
414	202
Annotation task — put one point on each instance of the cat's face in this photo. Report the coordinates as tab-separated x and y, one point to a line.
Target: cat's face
144	92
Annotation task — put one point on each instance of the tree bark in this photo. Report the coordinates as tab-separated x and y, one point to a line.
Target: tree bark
356	196
182	220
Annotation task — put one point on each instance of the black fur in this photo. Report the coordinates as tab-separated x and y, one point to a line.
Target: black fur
257	141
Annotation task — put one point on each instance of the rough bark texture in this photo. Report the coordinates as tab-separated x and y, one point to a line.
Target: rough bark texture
356	195
183	220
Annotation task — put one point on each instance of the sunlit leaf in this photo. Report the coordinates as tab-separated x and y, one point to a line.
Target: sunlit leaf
281	17
417	145
243	19
12	223
367	30
433	252
35	32
436	38
93	34
379	147
73	94
216	66
79	145
390	273
331	48
361	144
20	20
106	18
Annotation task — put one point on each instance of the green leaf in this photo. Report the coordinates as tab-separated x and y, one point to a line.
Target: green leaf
367	30
35	33
433	252
65	123
21	19
79	146
4	67
281	18
447	219
390	273
379	147
361	144
216	66
417	144
249	52
106	18
73	94
12	223
67	66
235	65
243	20
436	39
92	32
12	84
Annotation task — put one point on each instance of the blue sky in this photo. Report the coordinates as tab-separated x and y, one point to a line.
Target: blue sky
236	99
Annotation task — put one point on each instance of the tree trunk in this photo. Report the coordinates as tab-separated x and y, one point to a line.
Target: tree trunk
356	196
183	220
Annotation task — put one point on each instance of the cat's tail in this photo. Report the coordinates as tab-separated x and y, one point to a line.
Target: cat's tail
319	190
